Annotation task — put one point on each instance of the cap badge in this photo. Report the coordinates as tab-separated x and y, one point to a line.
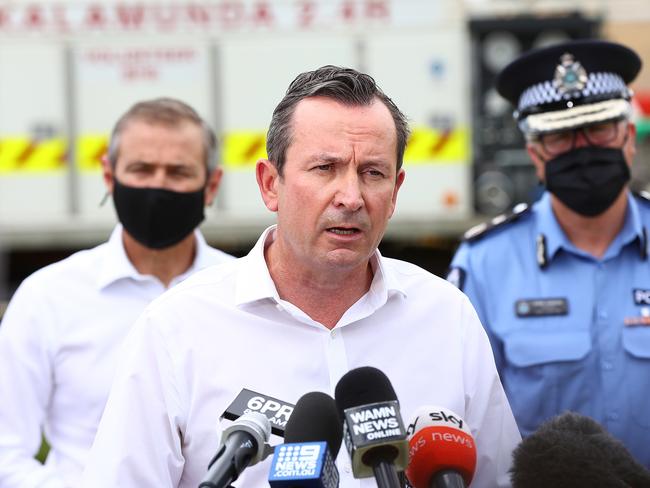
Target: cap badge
569	76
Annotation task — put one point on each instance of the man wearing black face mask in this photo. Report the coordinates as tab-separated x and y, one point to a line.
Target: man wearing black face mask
563	287
60	336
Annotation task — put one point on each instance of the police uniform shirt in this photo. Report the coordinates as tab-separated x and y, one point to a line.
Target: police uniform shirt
226	328
59	342
568	331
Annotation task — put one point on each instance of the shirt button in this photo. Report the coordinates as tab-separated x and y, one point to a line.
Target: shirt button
347	468
612	416
607	366
334	334
602	314
279	307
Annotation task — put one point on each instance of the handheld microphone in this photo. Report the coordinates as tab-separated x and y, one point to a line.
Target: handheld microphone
312	440
244	443
372	425
575	451
442	450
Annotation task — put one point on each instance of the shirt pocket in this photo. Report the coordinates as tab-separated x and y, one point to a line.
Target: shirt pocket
636	343
544	374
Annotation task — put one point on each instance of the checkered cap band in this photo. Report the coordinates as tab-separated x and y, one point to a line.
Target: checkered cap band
597	84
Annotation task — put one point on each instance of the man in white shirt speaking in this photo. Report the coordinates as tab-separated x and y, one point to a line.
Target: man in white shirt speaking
64	325
312	300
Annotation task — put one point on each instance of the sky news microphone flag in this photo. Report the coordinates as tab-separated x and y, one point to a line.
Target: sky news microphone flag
442	450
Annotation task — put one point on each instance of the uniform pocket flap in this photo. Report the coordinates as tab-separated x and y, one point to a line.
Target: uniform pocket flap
636	341
535	349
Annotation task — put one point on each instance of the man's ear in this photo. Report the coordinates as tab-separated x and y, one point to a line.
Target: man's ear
212	185
107	173
629	148
267	180
398	184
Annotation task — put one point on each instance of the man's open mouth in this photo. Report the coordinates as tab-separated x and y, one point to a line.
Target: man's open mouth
343	231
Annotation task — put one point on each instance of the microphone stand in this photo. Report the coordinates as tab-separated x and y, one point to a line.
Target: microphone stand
447	479
386	475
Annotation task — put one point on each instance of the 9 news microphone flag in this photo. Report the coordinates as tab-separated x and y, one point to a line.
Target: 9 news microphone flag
312	440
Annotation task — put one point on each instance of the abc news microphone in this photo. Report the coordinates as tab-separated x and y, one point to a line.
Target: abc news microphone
312	439
372	426
243	444
442	450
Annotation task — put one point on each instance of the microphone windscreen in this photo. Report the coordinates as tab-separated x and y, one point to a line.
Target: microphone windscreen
363	386
315	418
574	450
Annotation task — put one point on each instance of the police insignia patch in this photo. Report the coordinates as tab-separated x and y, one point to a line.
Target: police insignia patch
570	76
641	297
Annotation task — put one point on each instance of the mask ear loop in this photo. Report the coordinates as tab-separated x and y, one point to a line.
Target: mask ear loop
104	198
539	182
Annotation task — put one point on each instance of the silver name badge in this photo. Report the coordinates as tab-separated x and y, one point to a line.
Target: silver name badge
541	307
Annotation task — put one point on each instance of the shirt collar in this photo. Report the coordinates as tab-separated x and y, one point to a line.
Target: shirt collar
116	264
555	238
254	281
633	230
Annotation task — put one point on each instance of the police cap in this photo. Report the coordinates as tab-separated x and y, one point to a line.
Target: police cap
569	85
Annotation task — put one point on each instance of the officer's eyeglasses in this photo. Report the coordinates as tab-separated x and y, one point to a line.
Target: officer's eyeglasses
596	135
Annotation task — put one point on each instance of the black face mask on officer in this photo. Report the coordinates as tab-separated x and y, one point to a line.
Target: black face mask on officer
155	217
587	179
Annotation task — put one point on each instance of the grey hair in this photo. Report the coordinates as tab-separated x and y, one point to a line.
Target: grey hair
169	112
345	85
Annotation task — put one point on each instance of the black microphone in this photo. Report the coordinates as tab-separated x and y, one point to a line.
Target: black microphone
312	440
244	443
372	425
572	450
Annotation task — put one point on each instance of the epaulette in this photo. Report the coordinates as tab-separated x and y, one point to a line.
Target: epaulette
480	230
642	195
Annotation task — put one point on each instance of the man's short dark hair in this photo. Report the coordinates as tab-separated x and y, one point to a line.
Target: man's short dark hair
168	112
345	85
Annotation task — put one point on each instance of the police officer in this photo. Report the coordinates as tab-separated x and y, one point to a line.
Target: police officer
563	287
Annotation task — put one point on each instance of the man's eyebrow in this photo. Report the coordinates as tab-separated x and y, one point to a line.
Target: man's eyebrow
176	165
325	158
138	162
332	159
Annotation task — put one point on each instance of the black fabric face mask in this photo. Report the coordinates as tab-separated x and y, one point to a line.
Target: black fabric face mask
588	179
155	217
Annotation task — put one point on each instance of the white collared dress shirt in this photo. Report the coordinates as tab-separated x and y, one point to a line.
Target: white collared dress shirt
226	328
59	342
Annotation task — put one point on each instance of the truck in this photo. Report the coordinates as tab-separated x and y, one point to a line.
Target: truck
70	68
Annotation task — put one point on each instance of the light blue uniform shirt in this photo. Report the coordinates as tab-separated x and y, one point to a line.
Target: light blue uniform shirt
568	331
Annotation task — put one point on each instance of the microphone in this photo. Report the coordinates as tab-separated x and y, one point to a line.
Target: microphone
442	450
312	440
372	425
244	443
576	451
